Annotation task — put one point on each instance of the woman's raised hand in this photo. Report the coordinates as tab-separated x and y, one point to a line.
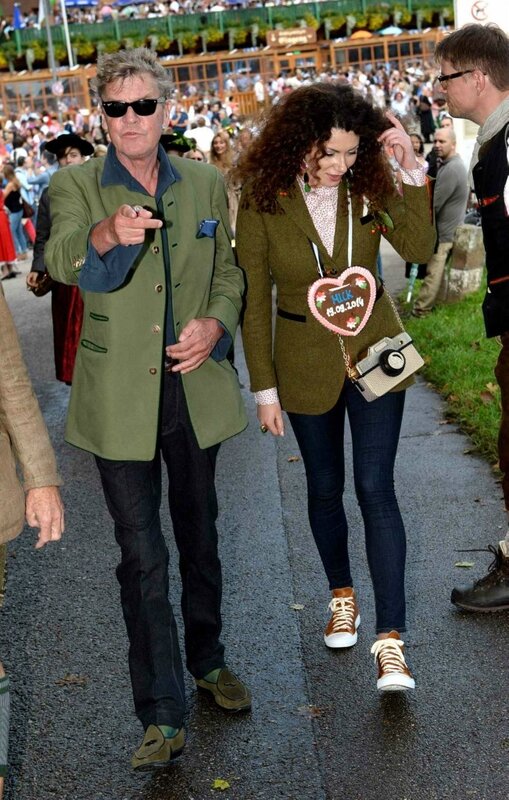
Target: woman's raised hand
397	141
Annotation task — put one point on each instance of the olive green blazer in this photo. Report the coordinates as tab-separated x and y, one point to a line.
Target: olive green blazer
301	357
116	389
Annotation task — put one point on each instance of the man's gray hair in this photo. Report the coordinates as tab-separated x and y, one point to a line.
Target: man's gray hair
112	67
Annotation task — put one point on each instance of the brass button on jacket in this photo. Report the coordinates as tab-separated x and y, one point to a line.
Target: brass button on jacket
158	287
153	371
155	249
156	329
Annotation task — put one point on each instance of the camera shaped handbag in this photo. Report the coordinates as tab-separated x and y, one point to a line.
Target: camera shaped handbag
388	362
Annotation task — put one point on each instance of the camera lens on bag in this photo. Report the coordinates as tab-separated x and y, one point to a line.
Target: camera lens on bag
392	362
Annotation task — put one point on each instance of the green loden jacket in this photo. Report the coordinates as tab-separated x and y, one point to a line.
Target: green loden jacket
116	389
301	358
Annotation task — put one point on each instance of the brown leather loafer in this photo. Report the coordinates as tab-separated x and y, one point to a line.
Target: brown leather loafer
156	751
229	692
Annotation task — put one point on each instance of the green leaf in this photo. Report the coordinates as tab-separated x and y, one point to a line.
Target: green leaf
220	784
386	219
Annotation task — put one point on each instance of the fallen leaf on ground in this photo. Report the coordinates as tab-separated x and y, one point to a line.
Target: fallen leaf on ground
296	606
465	564
220	784
310	711
486	397
492	388
293	458
70	679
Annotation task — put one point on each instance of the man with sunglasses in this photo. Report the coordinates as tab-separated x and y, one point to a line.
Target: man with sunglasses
146	238
474	63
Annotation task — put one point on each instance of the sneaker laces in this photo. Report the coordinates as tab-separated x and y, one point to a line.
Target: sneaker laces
343	614
390	654
499	567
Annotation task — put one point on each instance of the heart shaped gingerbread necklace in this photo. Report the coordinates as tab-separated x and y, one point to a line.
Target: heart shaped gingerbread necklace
344	304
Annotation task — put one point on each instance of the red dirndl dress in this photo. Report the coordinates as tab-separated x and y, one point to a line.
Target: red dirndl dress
7	249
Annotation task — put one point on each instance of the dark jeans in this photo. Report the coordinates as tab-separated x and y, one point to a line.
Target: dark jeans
502	376
375	431
133	495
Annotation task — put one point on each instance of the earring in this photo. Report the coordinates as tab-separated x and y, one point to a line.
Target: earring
307	187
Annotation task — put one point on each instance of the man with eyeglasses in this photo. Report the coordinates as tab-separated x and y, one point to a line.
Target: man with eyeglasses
474	63
146	237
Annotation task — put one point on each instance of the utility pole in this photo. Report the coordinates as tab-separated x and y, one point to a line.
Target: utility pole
51	51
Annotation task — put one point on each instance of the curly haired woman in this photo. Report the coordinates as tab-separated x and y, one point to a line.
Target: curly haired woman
318	193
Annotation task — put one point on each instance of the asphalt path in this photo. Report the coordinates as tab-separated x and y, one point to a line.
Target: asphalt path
318	729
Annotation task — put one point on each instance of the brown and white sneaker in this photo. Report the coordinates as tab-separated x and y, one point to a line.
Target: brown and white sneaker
393	673
341	630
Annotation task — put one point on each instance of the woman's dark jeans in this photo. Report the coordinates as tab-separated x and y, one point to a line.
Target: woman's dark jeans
375	429
133	495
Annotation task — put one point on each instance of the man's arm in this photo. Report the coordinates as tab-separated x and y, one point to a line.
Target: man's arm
39	180
44	510
86	250
23	422
42	232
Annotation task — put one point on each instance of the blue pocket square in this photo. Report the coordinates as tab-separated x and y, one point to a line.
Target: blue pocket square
207	228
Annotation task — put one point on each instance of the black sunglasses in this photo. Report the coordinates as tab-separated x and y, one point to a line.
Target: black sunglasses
144	108
444	78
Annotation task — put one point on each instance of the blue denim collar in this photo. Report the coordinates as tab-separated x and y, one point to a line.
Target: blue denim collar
115	174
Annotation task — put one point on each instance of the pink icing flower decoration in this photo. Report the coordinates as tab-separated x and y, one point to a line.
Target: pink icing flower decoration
351	322
320	297
361	283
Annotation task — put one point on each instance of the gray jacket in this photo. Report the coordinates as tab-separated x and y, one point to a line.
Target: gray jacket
450	197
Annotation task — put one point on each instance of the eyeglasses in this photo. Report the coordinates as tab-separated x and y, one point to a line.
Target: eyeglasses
444	78
144	108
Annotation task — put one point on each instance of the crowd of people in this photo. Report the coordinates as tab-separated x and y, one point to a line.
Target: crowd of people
309	189
200	127
105	11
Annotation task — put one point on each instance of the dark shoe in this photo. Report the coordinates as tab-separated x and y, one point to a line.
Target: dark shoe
156	751
229	692
490	593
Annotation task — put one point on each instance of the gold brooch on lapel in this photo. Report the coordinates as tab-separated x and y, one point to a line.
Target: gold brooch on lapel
77	263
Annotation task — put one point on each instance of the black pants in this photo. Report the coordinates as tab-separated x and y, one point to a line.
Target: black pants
133	495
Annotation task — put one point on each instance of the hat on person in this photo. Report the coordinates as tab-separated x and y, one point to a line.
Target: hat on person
415	132
63	142
176	141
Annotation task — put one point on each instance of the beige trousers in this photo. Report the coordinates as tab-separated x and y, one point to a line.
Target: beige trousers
433	284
